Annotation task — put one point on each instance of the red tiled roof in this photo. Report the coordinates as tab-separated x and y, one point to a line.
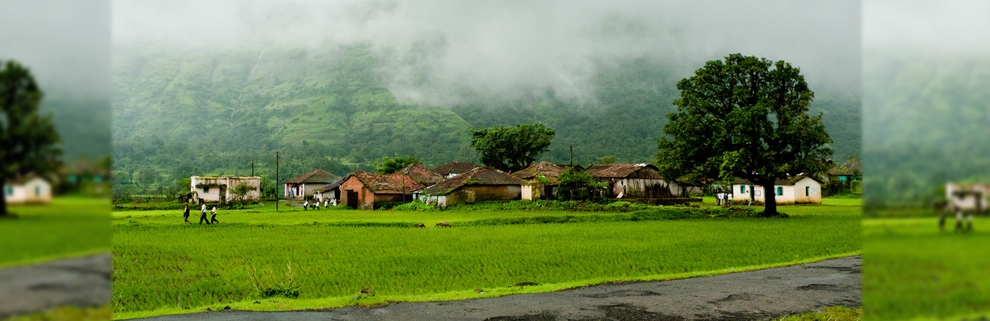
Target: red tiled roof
387	184
454	167
421	174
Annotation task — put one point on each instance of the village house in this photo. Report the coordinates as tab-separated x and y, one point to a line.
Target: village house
422	175
540	180
211	189
633	180
87	177
361	190
800	189
29	189
329	191
847	173
967	197
454	168
305	185
476	185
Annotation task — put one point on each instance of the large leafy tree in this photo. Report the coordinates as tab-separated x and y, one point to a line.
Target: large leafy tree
28	141
745	117
389	165
511	148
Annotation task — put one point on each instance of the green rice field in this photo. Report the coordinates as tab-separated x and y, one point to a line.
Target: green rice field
257	259
69	226
915	272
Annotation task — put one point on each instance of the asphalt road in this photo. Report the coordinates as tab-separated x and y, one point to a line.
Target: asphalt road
81	282
755	295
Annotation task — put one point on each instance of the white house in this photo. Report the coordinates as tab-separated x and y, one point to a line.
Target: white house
964	196
211	188
31	190
800	189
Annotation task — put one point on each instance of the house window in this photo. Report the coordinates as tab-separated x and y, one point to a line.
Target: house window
742	189
780	191
206	189
10	190
807	191
37	191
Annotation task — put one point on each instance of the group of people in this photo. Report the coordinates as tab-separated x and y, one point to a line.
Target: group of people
202	217
316	203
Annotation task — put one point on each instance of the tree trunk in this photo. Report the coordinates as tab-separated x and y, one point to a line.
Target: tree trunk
769	199
3	200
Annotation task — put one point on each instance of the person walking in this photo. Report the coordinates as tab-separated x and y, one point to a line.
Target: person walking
185	214
214	218
202	215
306	205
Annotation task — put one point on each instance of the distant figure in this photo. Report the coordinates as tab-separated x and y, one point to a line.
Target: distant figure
420	225
202	215
185	214
214	218
326	203
334	202
306	205
443	224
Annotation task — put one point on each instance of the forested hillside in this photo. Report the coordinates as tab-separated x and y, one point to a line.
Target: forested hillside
926	120
179	113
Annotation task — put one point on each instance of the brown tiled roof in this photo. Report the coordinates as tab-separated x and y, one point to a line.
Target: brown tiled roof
388	183
546	169
454	167
316	176
849	168
616	170
780	182
421	174
333	185
477	176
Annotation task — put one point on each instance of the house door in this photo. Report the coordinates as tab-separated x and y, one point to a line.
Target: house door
752	193
352	199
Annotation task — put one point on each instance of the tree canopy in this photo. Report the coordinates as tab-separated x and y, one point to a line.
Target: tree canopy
745	117
389	165
28	141
511	148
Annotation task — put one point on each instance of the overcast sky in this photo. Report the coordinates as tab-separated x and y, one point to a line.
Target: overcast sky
65	43
950	26
502	45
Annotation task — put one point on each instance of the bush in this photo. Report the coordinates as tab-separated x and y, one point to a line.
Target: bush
415	206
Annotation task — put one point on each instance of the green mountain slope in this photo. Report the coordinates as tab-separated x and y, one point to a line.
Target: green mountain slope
180	113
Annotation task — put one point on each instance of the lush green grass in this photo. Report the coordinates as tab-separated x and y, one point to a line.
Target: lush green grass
68	313
829	314
162	266
913	271
66	227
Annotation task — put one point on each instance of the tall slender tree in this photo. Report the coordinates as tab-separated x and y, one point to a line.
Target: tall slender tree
28	141
745	117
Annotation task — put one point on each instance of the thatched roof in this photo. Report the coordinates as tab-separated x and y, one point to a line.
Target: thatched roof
454	167
421	174
546	169
618	170
316	176
477	176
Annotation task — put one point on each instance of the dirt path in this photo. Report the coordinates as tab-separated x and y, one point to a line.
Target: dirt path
81	282
756	295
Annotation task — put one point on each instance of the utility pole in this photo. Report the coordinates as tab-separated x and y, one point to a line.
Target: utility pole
276	181
252	168
572	155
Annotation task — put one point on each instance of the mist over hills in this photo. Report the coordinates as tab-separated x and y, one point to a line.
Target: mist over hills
205	88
